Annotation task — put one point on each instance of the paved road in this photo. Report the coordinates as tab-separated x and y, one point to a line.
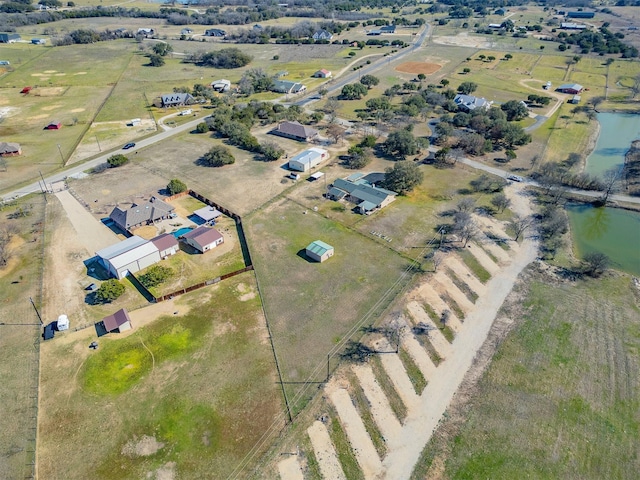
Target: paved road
81	167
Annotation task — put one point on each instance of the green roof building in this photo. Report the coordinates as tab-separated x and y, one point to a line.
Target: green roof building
319	251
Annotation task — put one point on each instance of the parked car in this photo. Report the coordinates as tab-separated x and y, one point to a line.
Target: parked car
128	146
515	178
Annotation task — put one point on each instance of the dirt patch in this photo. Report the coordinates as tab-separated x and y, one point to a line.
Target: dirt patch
142	447
13	245
147	232
77	110
419	67
246	293
48	108
463	40
49	91
165	472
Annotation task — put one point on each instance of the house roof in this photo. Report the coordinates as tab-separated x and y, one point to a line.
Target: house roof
203	236
116	320
571	86
207	213
471	102
319	247
165	241
127	251
176	98
151	210
287	86
323	71
337	193
367	206
307	157
7	147
296	129
322	33
362	190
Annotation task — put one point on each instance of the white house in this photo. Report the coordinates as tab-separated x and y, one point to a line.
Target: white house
322	73
306	160
322	35
166	244
128	256
203	238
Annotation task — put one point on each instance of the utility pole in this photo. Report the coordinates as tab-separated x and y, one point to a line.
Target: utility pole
328	369
44	189
61	156
98	142
36	309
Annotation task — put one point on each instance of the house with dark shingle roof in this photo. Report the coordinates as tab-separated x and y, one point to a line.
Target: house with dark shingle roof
366	195
143	214
287	86
176	100
322	35
295	131
8	149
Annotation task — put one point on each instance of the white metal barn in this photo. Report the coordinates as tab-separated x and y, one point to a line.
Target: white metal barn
128	256
305	161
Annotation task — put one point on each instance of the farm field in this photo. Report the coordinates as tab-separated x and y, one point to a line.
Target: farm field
313	306
20	280
559	399
185	416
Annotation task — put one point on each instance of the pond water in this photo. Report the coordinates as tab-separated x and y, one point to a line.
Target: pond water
612	231
617	131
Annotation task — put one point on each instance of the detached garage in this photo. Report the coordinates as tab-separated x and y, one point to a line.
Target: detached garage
128	256
319	251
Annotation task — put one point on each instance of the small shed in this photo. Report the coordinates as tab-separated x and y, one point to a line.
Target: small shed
319	251
117	322
62	323
167	245
207	213
203	238
575	99
48	332
55	125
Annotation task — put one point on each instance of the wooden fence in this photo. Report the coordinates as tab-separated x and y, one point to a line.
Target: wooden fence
202	284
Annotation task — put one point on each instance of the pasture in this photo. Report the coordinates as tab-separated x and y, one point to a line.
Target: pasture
559	400
313	306
166	400
20	333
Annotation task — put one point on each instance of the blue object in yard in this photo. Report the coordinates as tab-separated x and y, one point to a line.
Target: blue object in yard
49	332
178	233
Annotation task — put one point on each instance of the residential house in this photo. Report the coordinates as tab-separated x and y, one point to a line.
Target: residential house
319	251
305	161
581	14
388	29
116	323
221	85
362	191
322	35
572	26
257	27
374	32
186	31
203	238
167	245
38	41
146	32
128	256
295	131
145	213
287	86
176	100
215	32
55	125
468	103
10	149
9	37
495	25
572	88
322	73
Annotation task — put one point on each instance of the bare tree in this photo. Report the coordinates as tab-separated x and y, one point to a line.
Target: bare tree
437	258
610	182
3	164
335	132
595	263
6	233
635	89
520	225
466	205
444	317
595	101
465	227
500	201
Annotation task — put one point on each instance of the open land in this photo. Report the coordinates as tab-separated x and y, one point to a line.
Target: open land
158	402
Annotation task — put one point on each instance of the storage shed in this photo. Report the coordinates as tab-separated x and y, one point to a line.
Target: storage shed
306	160
166	244
203	238
118	322
62	323
319	251
207	213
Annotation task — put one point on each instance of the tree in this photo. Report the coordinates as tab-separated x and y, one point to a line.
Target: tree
155	275
444	82
467	205
176	186
510	155
500	201
520	225
156	60
400	144
465	227
353	91
368	141
595	101
422	77
271	151
225	58
202	127
6	233
403	177
162	49
466	70
369	81
335	132
467	88
117	160
218	156
359	157
595	263
109	291
515	110
610	181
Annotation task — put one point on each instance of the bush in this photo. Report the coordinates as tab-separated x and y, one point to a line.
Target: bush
176	186
202	127
226	58
109	291
218	156
403	177
155	276
271	151
117	160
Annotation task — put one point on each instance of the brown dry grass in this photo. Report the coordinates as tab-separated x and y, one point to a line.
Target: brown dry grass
418	67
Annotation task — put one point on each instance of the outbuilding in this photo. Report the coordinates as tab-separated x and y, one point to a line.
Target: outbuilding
62	323
166	244
319	251
306	160
116	323
203	238
128	256
9	149
55	125
207	214
572	88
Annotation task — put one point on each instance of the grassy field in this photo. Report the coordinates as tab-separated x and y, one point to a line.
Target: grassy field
168	380
560	399
19	281
312	306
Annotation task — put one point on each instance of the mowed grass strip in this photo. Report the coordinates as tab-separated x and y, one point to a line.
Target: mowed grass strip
560	397
343	448
413	372
474	265
396	403
312	306
462	286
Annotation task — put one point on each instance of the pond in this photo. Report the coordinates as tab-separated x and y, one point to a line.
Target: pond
612	231
617	131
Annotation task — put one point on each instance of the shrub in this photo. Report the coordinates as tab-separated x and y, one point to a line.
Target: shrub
218	156
155	276
109	291
117	160
176	186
